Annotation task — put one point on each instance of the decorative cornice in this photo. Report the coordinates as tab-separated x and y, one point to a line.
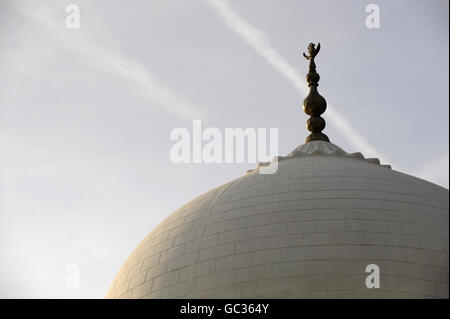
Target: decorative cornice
318	148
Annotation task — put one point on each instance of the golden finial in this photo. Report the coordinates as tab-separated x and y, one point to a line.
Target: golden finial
314	104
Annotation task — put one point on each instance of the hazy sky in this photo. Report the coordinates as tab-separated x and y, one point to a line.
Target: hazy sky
86	113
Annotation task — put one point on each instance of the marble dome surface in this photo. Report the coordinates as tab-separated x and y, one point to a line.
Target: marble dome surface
307	231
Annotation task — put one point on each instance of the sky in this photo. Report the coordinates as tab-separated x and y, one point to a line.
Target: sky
86	113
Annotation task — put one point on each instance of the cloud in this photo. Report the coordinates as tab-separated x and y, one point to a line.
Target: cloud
108	60
259	42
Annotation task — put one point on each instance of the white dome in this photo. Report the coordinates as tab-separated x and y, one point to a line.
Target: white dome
307	231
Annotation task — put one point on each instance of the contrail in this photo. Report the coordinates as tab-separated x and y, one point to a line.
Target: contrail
259	42
111	62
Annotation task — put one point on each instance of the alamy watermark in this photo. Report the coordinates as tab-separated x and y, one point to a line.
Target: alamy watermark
373	19
373	279
73	276
235	145
72	20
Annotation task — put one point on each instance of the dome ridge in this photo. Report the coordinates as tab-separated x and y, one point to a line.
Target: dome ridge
312	148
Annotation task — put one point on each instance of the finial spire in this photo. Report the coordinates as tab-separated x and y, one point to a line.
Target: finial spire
314	104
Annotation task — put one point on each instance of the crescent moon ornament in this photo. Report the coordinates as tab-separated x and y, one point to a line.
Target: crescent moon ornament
318	48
